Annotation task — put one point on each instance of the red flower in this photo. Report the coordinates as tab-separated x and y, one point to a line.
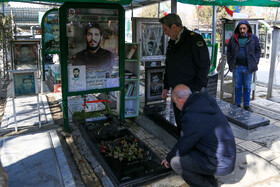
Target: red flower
103	149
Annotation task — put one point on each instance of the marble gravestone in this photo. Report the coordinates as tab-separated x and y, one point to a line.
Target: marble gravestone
241	117
158	110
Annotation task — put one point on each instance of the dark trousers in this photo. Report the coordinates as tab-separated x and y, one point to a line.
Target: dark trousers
243	80
192	173
177	114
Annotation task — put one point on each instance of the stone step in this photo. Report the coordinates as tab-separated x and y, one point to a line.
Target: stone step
265	112
267	104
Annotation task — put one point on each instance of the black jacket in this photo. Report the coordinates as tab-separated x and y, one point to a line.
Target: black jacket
187	62
252	47
205	136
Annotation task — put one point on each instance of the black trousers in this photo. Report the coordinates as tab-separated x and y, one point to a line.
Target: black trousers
192	174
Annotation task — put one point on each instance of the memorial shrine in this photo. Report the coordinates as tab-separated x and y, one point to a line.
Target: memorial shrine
108	84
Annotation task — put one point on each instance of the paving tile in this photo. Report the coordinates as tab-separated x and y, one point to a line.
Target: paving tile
276	162
267	154
250	146
238	141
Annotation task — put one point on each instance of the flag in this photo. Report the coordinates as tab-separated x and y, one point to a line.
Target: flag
231	9
230	12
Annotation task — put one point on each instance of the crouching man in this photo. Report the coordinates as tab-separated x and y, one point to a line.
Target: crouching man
206	145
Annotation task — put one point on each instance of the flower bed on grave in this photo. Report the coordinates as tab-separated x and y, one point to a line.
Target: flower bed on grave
125	158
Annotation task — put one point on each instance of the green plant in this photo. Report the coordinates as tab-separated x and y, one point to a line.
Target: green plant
82	115
125	148
107	106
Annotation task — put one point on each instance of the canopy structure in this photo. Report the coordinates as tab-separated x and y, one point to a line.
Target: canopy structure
122	2
264	3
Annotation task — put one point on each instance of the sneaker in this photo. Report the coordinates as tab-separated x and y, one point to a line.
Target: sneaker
248	108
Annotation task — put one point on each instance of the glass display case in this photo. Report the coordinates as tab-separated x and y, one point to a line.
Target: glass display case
149	34
25	54
132	79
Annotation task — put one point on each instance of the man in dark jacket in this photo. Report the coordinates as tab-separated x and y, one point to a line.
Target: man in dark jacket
187	58
243	55
206	146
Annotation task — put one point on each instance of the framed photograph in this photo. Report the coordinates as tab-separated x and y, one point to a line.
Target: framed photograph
149	33
154	83
152	63
25	55
77	78
24	82
93	42
229	29
51	32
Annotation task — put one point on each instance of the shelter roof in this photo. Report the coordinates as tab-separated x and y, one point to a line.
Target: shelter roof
248	19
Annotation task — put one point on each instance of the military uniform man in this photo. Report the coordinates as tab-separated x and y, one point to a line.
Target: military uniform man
187	58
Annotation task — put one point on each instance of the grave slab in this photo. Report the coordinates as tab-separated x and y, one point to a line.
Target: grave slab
241	117
124	157
162	115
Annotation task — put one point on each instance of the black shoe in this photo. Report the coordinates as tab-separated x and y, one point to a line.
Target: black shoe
237	105
248	108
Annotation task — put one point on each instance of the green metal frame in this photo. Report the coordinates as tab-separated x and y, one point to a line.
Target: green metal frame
43	40
122	2
64	56
138	79
214	55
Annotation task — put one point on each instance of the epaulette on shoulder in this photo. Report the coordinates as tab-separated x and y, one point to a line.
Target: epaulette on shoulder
192	33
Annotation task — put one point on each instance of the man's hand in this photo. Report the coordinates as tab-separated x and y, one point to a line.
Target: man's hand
166	164
164	94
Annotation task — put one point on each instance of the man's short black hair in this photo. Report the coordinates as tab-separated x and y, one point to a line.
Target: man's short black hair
171	19
76	69
93	25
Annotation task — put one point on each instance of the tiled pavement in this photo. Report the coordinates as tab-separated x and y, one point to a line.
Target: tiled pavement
258	158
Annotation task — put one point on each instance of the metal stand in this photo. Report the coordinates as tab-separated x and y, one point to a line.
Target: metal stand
15	117
38	106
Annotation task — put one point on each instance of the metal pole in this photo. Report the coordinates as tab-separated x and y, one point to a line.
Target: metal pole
14	104
274	55
15	117
131	10
214	20
276	17
159	9
38	106
174	6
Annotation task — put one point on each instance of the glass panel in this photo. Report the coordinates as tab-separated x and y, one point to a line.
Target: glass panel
24	83
152	39
26	56
51	32
229	28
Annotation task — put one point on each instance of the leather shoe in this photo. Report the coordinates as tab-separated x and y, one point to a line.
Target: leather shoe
248	108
